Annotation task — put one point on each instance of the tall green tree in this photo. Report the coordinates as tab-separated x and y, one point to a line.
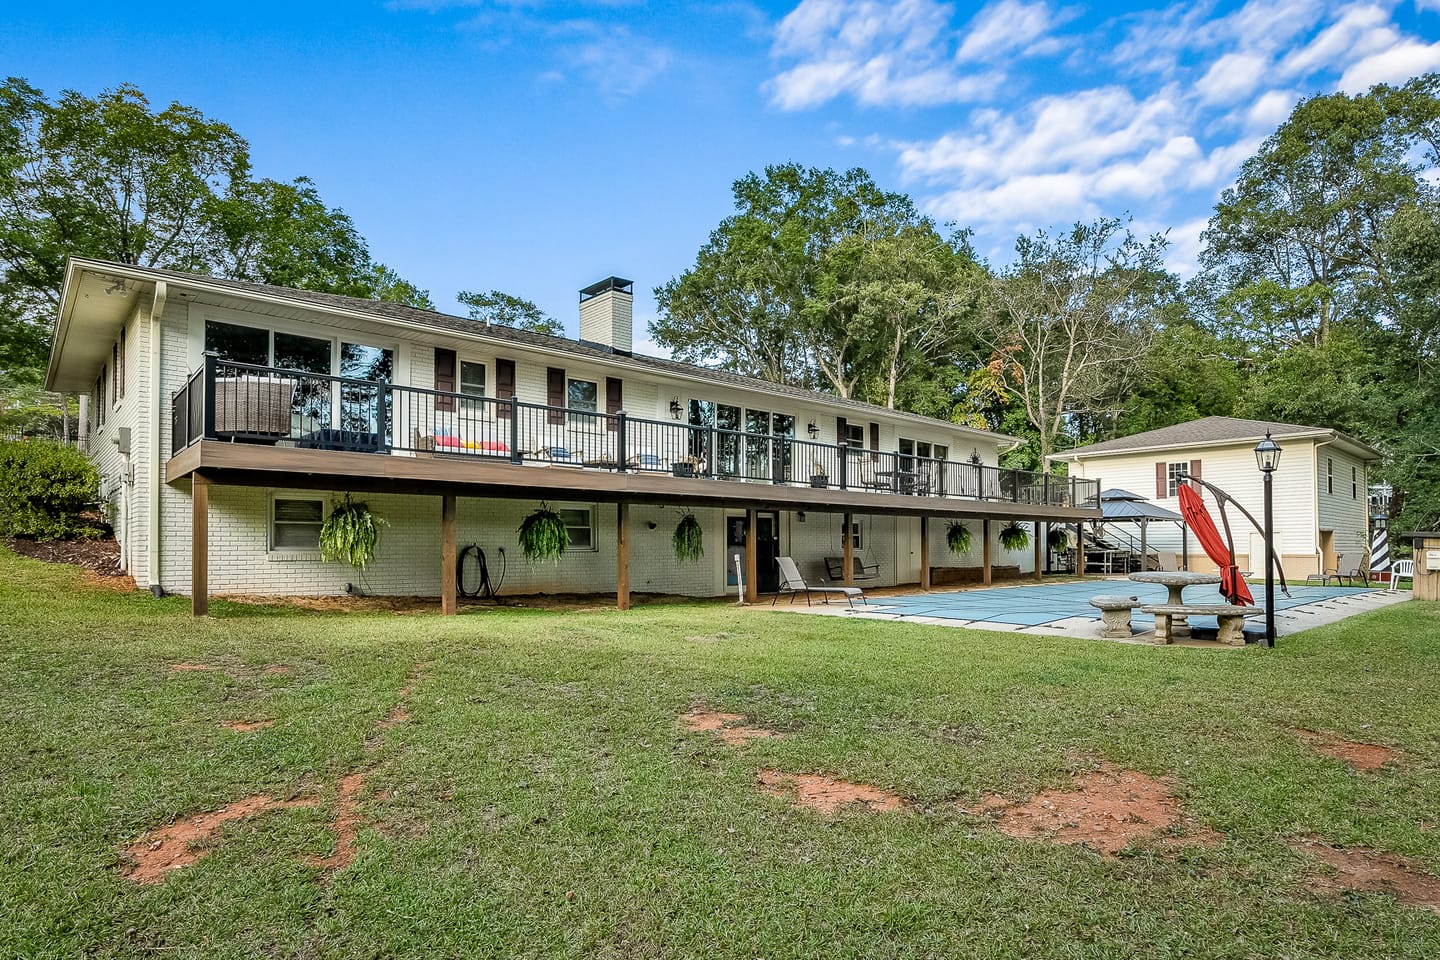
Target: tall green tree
508	310
1296	245
113	178
1071	321
769	294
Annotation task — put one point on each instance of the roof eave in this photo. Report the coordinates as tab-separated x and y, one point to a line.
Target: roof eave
199	283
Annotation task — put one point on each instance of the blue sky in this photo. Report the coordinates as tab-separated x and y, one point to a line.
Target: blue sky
537	146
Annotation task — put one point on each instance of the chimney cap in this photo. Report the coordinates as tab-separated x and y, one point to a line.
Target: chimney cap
619	284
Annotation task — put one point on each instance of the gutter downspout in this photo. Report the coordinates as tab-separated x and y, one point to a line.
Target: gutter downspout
1319	554
157	456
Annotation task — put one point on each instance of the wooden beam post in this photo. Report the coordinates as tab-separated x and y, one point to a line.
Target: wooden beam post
1039	569
447	554
622	556
924	552
986	575
199	546
752	562
848	548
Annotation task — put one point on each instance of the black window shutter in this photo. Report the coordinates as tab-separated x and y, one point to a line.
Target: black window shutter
614	400
444	378
874	436
555	394
504	383
842	432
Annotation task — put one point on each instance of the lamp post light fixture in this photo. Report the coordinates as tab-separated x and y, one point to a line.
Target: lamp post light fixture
674	408
1267	458
813	429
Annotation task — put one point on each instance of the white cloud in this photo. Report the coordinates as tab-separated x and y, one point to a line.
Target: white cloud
1406	59
1003	28
1360	31
1232	77
1270	109
898	54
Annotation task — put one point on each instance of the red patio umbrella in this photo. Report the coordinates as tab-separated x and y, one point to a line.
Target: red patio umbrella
1232	585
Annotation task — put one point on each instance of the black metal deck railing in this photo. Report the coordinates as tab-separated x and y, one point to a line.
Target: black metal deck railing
244	403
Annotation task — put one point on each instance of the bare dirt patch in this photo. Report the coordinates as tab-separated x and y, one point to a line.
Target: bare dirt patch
1357	868
1107	810
346	823
729	727
826	794
169	848
1365	757
246	726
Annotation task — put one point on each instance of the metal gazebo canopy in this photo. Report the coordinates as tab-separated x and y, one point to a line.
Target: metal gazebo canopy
1122	506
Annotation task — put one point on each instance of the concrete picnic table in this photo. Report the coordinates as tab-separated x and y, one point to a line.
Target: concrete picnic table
1175	581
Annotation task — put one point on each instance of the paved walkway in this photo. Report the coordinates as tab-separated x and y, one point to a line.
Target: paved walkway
1063	609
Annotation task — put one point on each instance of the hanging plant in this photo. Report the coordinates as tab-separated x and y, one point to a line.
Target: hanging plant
543	536
689	539
1014	537
1057	539
957	537
350	533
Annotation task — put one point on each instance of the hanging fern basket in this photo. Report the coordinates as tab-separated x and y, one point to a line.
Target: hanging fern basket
543	536
1014	537
350	533
1057	539
689	539
957	537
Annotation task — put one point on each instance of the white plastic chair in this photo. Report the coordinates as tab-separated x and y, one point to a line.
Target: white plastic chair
1403	569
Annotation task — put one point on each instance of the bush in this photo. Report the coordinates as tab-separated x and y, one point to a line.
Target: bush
45	488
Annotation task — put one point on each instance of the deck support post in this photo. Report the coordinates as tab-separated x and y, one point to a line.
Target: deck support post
849	548
986	575
1038	546
752	563
199	545
925	552
622	556
447	554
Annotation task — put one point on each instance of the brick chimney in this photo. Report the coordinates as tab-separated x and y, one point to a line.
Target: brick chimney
607	314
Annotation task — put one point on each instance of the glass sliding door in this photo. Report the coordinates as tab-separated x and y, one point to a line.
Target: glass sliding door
757	444
366	407
702	420
311	400
727	444
782	426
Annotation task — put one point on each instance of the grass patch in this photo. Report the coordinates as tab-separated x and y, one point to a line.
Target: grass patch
541	798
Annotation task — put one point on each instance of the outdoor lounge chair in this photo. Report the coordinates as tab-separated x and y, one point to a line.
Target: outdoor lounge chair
792	583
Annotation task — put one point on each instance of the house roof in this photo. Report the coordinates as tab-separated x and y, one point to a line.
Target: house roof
1214	432
383	312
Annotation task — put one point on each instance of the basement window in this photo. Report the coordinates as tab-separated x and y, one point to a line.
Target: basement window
295	524
580	524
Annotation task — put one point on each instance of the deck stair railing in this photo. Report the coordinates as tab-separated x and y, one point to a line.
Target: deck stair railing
245	403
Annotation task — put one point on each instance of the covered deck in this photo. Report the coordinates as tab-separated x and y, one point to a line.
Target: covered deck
242	425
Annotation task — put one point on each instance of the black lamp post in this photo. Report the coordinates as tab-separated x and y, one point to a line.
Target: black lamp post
1267	457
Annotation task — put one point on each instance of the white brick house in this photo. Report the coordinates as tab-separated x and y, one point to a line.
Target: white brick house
280	401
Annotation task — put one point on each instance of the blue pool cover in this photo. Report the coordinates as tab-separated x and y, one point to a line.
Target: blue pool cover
1033	606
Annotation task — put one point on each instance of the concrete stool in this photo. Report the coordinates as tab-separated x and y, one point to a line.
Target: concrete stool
1115	614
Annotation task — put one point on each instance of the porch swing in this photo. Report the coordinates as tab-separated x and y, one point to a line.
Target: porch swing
860	570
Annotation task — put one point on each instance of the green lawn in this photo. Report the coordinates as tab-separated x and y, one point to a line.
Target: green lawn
542	800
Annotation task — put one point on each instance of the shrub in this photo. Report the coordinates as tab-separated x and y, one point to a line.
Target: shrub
45	489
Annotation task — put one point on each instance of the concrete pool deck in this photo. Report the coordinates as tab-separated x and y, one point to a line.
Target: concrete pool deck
1063	608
